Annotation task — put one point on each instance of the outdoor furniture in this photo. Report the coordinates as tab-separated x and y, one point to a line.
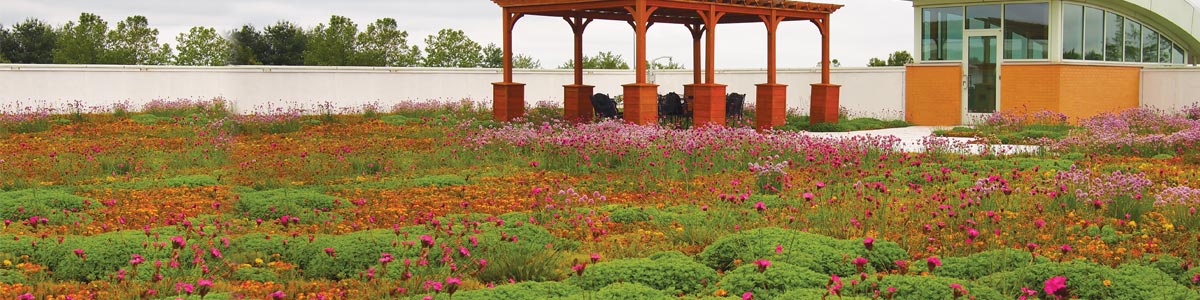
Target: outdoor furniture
670	105
733	105
605	106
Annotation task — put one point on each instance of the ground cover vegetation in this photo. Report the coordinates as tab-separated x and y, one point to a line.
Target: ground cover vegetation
183	199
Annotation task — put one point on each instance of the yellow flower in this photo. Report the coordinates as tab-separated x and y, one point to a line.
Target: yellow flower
720	293
7	263
1107	282
258	261
1168	226
1132	223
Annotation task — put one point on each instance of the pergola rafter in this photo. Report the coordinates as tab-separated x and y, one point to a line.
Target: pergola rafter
701	17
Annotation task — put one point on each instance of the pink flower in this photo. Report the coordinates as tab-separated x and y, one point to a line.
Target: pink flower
933	262
185	288
595	257
808	196
1065	248
80	254
278	295
748	296
859	263
578	268
330	252
136	259
762	265
778	248
178	242
958	289
385	258
433	285
453	280
426	241
869	242
1057	286
463	251
835	285
820	184
760	206
26	296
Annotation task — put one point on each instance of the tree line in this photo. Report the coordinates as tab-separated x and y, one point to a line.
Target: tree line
90	40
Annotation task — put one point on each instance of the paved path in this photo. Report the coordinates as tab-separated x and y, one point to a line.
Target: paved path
911	140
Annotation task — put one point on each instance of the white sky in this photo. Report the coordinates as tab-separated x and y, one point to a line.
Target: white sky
861	30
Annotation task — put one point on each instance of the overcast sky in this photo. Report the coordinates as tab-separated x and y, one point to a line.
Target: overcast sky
861	30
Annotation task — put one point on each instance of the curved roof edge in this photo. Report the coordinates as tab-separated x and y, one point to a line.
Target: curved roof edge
1180	18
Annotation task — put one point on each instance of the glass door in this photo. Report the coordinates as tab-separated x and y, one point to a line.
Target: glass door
981	75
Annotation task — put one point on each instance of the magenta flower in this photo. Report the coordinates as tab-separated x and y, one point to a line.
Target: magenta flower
835	285
185	288
760	206
426	241
869	242
385	258
1057	287
958	290
578	268
933	262
26	296
178	242
330	252
278	295
80	254
136	259
859	263
808	196
595	257
762	265
748	296
778	248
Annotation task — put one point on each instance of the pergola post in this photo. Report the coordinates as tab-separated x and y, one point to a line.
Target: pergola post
689	90
577	104
771	97
508	97
641	97
710	96
825	96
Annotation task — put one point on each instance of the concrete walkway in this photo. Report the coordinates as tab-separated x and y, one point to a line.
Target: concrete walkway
913	139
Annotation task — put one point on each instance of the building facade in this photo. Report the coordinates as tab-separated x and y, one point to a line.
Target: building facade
1081	57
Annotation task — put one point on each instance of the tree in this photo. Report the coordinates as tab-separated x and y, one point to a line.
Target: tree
670	65
602	60
896	59
133	42
452	49
332	44
382	44
83	42
201	46
282	44
29	42
247	45
493	57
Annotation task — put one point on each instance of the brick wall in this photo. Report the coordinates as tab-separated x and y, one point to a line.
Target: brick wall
933	94
1030	88
1090	90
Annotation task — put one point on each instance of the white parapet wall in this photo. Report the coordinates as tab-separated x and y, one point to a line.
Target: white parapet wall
1170	88
877	92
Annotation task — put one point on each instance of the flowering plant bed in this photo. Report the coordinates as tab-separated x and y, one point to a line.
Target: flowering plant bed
431	200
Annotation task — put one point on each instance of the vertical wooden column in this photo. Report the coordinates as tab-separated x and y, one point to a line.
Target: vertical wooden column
825	96
577	103
710	96
508	97
641	97
689	90
771	97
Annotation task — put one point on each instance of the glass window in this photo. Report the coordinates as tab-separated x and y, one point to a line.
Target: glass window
1178	56
1093	33
941	33
1072	31
1149	45
1164	49
1133	41
1026	30
983	16
1114	37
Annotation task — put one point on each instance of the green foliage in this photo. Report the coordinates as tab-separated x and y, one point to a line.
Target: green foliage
602	60
1084	279
354	253
282	44
629	215
779	278
493	57
986	263
82	42
801	123
934	288
12	277
202	46
398	119
255	274
895	59
52	204
382	44
815	294
332	44
452	48
672	272
29	42
272	204
190	181
133	42
630	291
105	253
247	45
438	180
820	253
522	291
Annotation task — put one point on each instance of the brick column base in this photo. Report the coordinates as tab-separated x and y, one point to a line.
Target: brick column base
825	103
710	105
508	100
641	103
577	103
770	106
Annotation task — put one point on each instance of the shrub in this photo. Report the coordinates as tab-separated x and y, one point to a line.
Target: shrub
817	252
672	272
631	291
20	205
12	277
354	252
522	291
986	263
931	288
258	243
106	253
273	204
779	278
815	294
1086	281
255	274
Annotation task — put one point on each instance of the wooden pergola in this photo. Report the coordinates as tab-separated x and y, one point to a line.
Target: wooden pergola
701	18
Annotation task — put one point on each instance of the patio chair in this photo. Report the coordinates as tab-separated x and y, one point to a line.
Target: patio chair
733	105
605	106
672	105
